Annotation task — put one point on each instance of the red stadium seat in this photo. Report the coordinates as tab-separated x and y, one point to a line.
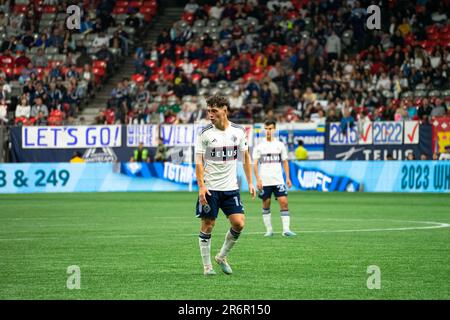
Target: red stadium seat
196	77
150	63
98	71
432	29
189	17
179	50
99	64
179	63
196	63
119	10
135	4
49	9
122	4
20	8
137	78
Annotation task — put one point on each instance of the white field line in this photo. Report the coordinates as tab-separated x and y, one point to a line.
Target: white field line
430	225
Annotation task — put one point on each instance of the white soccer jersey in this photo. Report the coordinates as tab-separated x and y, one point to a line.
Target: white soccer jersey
269	154
220	150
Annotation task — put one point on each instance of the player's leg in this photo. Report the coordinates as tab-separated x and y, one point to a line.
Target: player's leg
267	218
285	216
232	206
208	215
204	241
282	197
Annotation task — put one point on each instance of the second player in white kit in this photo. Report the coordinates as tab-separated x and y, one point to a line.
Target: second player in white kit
269	156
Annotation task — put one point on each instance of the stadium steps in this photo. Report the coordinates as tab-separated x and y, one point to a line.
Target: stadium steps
168	17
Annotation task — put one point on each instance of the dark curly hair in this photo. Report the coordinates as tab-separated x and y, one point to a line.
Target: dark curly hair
218	101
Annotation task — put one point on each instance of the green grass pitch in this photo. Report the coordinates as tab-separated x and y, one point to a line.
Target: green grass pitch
145	246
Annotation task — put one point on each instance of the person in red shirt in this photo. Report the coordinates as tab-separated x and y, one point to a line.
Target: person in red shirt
22	60
7	60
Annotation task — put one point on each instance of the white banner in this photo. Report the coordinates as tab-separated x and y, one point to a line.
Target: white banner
411	132
186	134
145	133
71	137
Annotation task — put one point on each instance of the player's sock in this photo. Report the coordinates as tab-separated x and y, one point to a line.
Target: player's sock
230	239
267	219
204	241
285	220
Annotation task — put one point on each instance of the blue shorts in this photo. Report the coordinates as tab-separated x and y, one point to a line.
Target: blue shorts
279	191
229	201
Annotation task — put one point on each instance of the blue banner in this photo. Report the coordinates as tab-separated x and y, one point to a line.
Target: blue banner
326	176
395	139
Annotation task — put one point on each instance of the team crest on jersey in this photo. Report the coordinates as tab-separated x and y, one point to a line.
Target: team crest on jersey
206	208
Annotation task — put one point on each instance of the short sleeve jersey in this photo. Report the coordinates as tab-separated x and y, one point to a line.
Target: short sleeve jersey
270	154
221	149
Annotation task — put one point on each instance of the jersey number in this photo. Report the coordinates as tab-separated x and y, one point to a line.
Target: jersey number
237	201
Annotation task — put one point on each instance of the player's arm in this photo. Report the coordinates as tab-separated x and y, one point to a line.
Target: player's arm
199	172
200	149
285	161
286	171
248	173
256	168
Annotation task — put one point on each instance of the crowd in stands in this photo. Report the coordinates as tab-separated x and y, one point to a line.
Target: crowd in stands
299	60
48	71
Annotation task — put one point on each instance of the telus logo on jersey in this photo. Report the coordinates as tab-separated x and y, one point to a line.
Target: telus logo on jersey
270	158
222	153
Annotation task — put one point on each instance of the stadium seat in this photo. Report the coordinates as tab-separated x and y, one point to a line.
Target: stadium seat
49	9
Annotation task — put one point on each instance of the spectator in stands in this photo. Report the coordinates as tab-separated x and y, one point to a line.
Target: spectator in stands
23	112
3	112
56	39
446	154
5	90
161	151
410	156
424	110
300	152
101	40
40	60
133	21
333	46
140	154
216	11
423	156
39	112
191	7
439	109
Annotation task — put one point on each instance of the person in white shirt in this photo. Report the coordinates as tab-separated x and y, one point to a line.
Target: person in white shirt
101	40
268	157
3	112
23	110
191	7
216	11
384	83
216	156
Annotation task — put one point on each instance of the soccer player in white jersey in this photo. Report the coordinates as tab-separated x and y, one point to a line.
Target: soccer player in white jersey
268	156
216	158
